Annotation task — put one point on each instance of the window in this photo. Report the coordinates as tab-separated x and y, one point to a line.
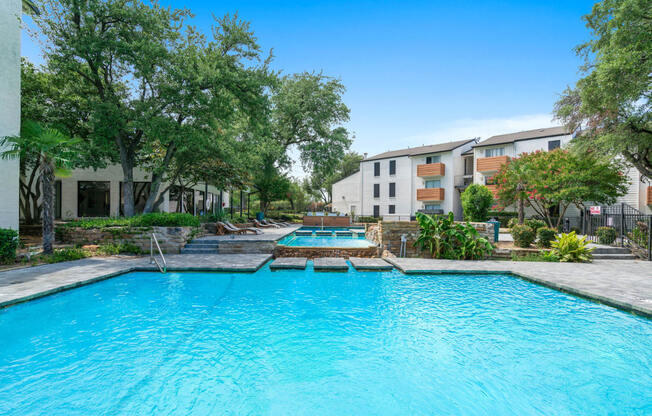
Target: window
392	167
179	203
392	209
392	190
57	199
141	193
199	209
432	207
376	211
377	169
554	144
498	151
93	199
376	190
433	184
433	159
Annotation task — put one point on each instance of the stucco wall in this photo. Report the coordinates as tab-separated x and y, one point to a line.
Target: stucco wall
346	194
10	15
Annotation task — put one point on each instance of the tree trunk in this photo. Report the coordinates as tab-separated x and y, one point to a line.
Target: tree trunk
47	179
521	205
157	179
127	160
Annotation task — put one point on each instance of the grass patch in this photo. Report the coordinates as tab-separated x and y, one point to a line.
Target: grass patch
65	254
543	256
118	248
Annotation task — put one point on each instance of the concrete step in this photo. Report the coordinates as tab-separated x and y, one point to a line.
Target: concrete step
609	256
611	250
195	245
194	250
211	243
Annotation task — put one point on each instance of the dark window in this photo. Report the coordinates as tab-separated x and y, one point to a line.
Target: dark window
392	167
392	189
377	169
93	199
428	160
200	203
57	199
392	209
179	203
376	211
554	144
141	193
376	190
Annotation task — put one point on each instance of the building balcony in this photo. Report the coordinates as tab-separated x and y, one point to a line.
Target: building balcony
491	164
430	194
431	169
649	195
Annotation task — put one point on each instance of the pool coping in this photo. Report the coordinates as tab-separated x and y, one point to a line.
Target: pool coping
584	294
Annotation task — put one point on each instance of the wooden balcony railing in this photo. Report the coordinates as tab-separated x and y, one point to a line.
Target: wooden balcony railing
649	195
491	164
430	194
431	169
494	190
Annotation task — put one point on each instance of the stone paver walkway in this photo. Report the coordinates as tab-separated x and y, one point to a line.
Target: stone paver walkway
289	263
365	263
330	263
33	282
625	284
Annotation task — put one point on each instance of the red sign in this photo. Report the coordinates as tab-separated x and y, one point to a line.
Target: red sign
595	210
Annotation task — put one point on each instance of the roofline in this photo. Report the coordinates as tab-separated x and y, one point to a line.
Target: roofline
520	140
346	177
371	159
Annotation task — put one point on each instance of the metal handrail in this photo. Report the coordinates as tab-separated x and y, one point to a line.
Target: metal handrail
153	259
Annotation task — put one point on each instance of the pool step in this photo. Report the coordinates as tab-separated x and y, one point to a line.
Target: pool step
330	264
284	263
323	233
201	247
303	233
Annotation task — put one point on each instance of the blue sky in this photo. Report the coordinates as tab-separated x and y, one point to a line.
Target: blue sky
421	72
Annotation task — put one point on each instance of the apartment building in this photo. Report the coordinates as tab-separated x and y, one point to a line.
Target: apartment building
98	193
399	183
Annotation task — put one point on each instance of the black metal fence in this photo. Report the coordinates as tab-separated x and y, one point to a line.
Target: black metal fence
631	226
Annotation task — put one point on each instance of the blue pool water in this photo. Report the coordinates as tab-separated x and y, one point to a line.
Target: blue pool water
314	240
306	343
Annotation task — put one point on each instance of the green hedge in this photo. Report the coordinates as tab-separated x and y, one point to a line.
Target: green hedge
155	219
545	236
369	219
523	235
8	245
606	235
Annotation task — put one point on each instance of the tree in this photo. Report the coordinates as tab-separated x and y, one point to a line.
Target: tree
609	108
560	179
54	153
153	88
476	201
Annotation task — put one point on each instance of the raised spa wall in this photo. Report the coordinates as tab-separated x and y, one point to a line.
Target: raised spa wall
312	252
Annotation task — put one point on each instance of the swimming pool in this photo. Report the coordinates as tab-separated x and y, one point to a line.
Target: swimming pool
332	237
306	343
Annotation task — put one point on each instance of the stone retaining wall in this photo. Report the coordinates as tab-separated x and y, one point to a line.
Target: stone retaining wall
246	247
389	235
312	252
171	239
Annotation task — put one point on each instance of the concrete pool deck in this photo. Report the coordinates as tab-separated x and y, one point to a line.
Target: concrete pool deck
625	284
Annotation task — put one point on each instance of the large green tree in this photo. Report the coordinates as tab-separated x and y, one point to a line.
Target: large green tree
559	178
153	84
609	107
320	183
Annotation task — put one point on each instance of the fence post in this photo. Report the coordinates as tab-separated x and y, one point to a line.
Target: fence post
622	224
649	238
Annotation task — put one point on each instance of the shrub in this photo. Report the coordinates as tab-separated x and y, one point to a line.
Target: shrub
165	219
512	222
544	256
8	245
444	239
65	254
369	219
503	217
570	248
535	224
606	235
523	235
545	235
118	248
476	201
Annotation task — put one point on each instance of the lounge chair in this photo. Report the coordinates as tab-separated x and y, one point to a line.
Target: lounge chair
269	221
259	224
254	229
231	229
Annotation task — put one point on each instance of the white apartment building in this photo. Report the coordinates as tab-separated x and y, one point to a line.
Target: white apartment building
10	19
98	193
399	183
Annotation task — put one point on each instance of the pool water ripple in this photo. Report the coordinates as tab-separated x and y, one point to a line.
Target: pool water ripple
306	343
